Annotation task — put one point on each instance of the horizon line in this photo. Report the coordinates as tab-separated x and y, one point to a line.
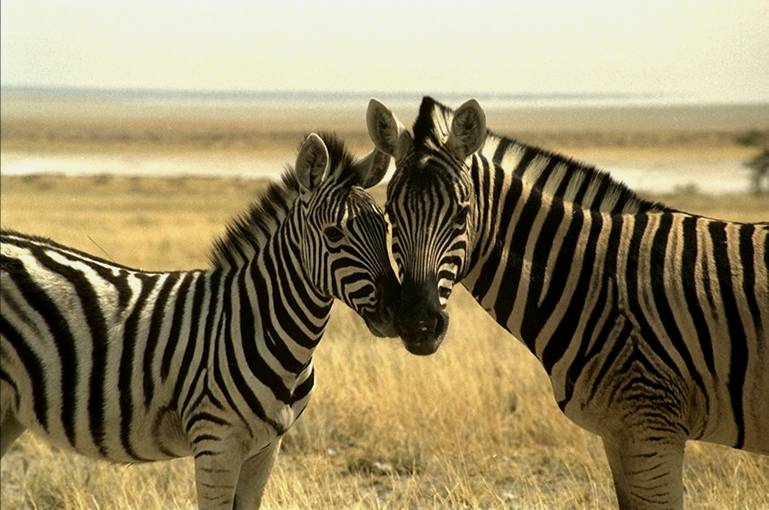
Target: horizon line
233	92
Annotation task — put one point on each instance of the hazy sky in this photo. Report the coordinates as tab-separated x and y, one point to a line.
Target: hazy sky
715	49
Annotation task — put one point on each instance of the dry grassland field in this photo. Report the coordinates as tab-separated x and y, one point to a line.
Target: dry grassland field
474	426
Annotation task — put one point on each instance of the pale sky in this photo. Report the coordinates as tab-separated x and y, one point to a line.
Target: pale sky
716	49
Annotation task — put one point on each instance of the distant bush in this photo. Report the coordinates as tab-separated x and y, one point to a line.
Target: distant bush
760	175
753	138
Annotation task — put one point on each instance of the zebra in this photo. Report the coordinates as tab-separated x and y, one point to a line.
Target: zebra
652	324
131	366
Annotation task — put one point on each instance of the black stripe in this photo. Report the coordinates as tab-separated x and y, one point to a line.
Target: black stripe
739	354
286	299
632	274
579	196
191	342
533	322
659	253
749	275
482	185
126	370
600	195
97	326
545	174
689	285
119	281
17	310
303	389
153	337
248	339
234	370
511	276
37	298
523	164
34	369
491	265
565	332
620	342
204	437
499	153
264	295
173	340
207	417
212	314
220	352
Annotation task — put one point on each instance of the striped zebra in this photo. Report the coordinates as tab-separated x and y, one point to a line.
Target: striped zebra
130	366
652	324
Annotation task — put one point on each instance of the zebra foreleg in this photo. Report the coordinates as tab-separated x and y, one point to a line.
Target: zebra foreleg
647	475
253	477
216	473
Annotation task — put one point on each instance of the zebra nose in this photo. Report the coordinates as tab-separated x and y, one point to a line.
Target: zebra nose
434	325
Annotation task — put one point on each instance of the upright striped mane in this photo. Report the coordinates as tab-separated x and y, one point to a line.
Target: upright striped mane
582	184
248	232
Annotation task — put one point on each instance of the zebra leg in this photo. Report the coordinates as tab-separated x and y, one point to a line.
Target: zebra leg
10	429
253	477
216	473
647	474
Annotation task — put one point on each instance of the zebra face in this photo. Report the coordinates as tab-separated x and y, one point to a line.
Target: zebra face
432	211
344	238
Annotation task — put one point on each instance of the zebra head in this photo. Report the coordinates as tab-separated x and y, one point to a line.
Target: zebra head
433	214
344	239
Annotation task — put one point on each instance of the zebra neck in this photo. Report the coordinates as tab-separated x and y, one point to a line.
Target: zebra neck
274	313
524	254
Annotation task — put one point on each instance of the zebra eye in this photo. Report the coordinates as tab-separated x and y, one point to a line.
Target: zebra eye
334	234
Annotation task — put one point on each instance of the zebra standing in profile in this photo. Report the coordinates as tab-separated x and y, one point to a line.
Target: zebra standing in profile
652	324
132	366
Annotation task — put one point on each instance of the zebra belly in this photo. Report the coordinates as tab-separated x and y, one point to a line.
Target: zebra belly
63	416
157	435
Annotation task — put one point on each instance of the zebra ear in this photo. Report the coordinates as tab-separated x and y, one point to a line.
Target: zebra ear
468	129
312	162
386	131
372	168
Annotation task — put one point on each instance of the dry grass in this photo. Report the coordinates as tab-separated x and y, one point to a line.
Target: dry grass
473	426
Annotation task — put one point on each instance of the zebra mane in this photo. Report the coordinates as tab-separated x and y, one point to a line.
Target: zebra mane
600	193
246	233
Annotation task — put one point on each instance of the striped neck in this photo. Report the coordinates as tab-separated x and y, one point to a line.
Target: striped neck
522	258
273	305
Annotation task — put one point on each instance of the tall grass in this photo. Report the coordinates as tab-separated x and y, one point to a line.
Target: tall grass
474	426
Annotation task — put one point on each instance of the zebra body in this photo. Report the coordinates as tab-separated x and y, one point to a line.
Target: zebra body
652	324
128	365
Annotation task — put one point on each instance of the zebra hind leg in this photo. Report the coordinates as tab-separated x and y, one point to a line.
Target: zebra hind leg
647	474
253	477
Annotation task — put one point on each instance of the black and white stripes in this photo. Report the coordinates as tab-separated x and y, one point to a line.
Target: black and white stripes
652	324
129	365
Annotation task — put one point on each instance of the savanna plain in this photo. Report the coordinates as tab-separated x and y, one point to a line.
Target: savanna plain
473	426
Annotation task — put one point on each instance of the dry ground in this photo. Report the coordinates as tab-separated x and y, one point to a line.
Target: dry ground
474	426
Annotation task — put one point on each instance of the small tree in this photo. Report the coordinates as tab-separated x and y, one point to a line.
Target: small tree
760	167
